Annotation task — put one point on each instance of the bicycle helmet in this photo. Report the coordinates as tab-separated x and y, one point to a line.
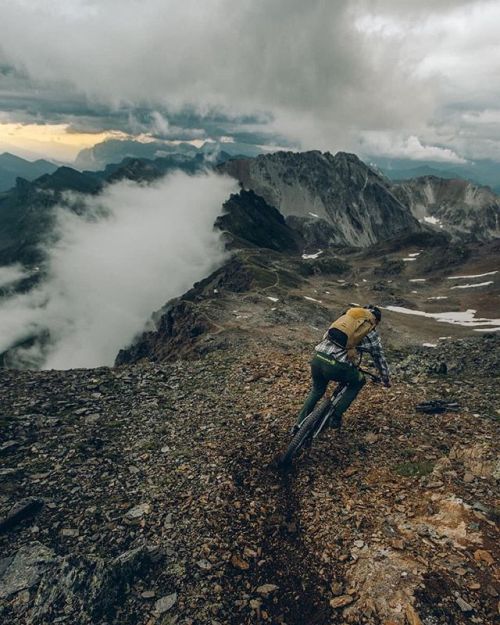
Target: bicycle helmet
376	312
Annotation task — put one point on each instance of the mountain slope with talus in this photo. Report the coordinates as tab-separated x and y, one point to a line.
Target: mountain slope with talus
356	205
150	496
455	205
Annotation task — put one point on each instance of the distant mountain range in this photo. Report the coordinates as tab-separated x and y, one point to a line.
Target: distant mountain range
482	171
115	150
328	201
12	166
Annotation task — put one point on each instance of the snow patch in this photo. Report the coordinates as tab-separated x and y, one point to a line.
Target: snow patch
407	260
466	318
470	286
436	297
429	344
432	220
273	299
308	256
313	215
414	254
477	275
311	299
487	329
417	280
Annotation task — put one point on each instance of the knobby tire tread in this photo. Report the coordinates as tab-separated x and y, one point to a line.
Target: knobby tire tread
306	430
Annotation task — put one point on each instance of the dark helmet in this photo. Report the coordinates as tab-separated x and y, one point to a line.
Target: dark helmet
376	312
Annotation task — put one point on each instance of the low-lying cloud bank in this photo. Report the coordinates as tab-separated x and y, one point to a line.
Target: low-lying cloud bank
134	249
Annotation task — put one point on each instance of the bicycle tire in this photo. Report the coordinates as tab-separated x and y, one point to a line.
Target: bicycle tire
306	430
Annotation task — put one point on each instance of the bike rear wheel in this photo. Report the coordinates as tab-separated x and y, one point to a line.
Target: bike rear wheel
305	432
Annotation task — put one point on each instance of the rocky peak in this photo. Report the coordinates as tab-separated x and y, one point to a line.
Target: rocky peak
249	220
457	206
355	203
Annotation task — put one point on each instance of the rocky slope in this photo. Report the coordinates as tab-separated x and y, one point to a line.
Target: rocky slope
355	203
147	495
455	205
26	213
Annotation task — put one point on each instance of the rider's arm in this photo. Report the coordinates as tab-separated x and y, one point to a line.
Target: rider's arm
373	346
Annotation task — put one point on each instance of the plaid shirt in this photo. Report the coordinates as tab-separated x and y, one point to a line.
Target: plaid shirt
371	344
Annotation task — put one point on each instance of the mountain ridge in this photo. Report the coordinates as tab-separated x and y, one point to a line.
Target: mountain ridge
12	166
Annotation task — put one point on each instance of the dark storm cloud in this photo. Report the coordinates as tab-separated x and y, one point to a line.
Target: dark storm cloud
321	74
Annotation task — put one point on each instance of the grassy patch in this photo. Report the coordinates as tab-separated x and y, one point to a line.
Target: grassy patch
414	469
408	452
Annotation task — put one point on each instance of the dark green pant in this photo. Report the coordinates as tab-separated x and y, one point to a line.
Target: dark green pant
325	369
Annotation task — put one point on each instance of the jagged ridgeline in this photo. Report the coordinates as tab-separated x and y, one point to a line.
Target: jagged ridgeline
335	200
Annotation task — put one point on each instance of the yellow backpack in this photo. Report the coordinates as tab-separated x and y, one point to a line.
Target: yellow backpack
349	329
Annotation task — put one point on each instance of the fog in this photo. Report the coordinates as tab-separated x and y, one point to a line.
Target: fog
134	249
11	274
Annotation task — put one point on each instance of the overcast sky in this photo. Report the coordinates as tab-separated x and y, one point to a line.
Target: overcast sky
413	79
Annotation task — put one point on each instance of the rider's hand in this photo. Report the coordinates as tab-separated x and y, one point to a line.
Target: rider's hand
386	382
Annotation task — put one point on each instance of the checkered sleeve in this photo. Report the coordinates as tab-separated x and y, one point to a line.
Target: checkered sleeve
372	345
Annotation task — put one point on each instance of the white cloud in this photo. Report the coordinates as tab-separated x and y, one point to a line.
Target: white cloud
11	274
137	247
385	144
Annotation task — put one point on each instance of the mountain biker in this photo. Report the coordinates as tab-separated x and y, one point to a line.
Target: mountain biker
352	334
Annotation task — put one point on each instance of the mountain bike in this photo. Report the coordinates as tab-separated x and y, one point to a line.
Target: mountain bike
315	422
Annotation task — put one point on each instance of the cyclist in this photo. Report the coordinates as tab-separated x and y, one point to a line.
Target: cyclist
353	333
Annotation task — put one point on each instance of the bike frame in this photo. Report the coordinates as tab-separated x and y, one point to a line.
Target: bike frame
315	421
334	400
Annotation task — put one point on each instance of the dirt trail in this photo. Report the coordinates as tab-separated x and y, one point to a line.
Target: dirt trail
283	557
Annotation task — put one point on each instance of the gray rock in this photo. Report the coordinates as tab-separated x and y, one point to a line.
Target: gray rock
135	514
87	590
164	604
463	605
24	569
23	509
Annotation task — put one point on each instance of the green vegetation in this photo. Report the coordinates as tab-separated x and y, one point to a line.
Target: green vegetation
327	265
389	267
415	469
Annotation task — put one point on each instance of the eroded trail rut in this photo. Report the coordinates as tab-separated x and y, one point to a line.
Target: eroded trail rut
285	574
